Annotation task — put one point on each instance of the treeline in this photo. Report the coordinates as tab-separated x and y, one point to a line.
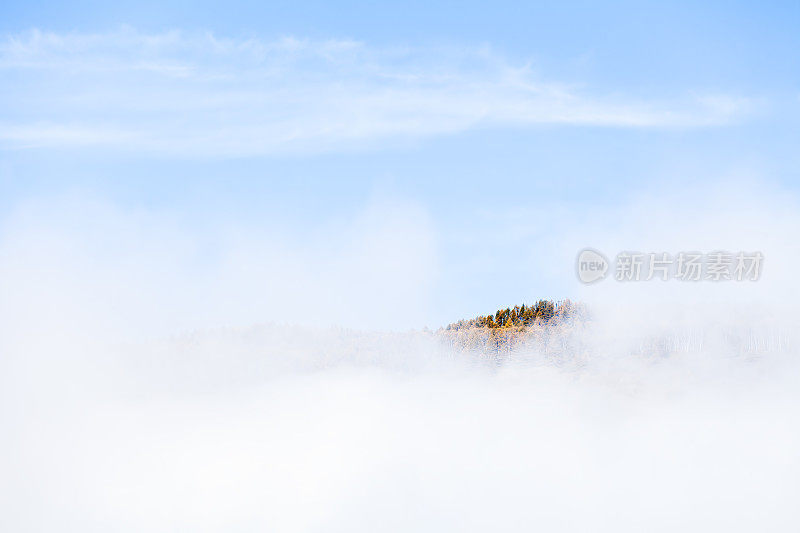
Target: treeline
547	327
522	316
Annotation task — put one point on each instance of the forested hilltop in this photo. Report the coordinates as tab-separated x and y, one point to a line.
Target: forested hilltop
544	326
542	312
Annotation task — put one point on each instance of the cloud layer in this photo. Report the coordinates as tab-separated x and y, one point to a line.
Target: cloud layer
278	428
197	94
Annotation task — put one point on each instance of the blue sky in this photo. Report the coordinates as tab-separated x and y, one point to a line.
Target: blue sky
486	121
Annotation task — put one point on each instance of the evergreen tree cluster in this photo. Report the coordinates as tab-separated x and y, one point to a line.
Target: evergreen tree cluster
523	316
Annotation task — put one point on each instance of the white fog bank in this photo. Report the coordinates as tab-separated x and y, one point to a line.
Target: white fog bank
138	396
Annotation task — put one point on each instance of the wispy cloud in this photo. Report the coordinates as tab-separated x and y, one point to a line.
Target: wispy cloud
196	94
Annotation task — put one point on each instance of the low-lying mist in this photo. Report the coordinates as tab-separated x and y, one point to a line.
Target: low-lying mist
129	405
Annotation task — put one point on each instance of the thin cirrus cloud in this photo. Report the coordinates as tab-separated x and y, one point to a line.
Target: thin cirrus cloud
187	94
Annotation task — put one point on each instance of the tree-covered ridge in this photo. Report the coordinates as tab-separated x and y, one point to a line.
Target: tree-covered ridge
546	327
523	316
